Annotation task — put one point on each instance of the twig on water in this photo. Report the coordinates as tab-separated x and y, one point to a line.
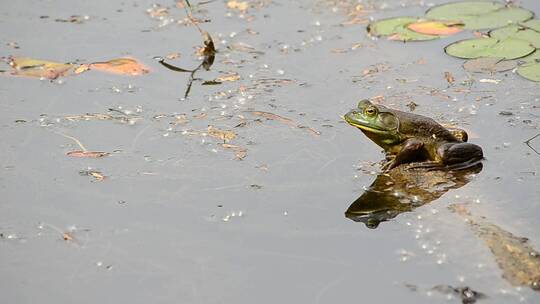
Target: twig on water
528	143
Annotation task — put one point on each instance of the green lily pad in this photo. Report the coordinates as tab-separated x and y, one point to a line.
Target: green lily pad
396	29
531	68
479	14
533	24
489	47
517	32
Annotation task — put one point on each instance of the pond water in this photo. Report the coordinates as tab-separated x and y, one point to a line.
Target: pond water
180	218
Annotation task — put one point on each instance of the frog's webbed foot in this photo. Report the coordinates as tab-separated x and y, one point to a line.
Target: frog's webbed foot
389	165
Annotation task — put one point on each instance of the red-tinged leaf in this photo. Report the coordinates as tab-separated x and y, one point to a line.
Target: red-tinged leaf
123	66
89	154
436	27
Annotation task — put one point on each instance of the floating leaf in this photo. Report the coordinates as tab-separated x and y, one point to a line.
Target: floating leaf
124	66
436	27
396	29
531	68
224	135
228	77
89	154
489	47
479	14
93	173
30	67
533	24
517	32
239	152
241	6
488	65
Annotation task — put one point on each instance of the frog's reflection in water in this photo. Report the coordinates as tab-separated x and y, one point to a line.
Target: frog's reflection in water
404	189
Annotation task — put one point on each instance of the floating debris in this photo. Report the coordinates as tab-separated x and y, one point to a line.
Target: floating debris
466	294
89	154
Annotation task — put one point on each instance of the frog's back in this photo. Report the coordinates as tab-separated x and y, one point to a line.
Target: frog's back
414	125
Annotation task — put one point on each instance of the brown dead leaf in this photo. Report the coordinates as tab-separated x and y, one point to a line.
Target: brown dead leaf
272	116
224	135
241	6
239	152
29	67
378	98
229	77
89	116
88	154
68	236
172	56
449	77
123	66
95	174
287	121
200	116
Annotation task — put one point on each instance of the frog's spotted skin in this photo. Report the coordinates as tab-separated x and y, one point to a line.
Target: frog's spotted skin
407	138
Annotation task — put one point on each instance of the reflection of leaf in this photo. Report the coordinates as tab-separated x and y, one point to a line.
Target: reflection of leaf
531	68
489	47
479	14
396	29
39	68
88	154
489	65
436	27
125	66
515	256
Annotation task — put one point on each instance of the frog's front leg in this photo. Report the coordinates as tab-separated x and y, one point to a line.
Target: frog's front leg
410	152
457	154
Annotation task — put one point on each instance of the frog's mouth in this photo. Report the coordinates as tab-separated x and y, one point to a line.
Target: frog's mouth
362	124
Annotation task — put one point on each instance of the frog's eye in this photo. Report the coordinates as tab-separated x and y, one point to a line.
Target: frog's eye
370	111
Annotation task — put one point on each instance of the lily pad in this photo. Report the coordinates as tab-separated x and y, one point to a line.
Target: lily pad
489	65
479	14
531	68
490	47
517	32
396	29
533	24
436	27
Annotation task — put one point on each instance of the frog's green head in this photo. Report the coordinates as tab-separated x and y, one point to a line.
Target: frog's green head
379	123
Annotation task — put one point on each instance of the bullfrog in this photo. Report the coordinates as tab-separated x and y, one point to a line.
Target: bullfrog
411	138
